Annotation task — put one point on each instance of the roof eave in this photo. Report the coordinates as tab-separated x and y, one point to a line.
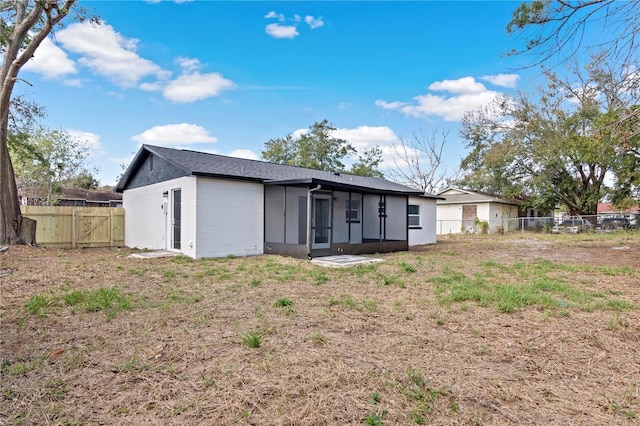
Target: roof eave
338	185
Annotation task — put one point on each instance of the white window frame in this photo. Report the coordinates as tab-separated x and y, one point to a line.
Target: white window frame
414	215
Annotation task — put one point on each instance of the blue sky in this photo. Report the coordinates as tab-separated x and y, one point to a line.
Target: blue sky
226	77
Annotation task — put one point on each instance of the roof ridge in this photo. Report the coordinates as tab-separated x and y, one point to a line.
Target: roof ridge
262	161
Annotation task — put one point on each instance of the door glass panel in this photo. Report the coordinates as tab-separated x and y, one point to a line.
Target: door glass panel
177	213
321	220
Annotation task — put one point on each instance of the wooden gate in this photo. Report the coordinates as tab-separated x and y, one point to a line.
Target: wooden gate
76	227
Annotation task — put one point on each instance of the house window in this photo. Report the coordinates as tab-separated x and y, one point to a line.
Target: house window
150	162
414	215
353	211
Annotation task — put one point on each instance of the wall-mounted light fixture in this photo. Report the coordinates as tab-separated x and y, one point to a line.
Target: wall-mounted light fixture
165	200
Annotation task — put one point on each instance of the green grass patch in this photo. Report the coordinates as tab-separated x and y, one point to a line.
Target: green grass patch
283	302
319	277
252	339
21	366
538	284
40	304
408	268
111	300
179	295
419	392
283	272
392	280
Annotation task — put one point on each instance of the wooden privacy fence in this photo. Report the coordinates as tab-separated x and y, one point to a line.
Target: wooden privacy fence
77	227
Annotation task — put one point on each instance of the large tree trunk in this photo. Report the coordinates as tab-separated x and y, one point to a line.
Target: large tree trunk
14	229
13	226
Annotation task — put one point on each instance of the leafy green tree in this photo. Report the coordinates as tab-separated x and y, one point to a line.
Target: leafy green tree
626	189
318	149
555	32
556	147
24	24
368	163
52	160
84	180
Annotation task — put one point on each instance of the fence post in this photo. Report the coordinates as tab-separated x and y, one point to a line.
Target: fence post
111	222
74	231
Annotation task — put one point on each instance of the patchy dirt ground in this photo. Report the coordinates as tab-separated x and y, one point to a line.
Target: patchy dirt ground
504	330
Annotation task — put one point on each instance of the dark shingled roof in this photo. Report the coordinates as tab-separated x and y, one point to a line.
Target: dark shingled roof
213	165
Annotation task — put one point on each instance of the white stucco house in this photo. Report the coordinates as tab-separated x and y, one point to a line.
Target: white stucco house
208	205
459	208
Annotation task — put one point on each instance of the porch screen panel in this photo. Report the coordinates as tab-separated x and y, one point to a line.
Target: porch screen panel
274	214
302	220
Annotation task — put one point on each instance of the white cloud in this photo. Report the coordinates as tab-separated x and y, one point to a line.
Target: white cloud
365	137
390	105
156	86
90	140
461	85
175	135
274	15
50	61
313	22
189	64
281	31
108	53
502	80
196	86
297	133
244	153
463	95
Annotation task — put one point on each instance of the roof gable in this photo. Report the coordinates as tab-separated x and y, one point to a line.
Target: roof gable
466	196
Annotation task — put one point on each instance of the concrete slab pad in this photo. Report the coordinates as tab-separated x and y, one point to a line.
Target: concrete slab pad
343	260
154	254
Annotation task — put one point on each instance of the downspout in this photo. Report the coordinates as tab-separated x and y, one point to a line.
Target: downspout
309	218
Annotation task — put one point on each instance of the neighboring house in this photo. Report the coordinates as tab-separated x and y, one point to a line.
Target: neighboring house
608	209
460	208
75	198
532	218
207	205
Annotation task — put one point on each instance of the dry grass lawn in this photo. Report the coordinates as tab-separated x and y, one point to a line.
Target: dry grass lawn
488	330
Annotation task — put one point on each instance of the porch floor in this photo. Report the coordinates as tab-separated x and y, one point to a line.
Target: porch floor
343	260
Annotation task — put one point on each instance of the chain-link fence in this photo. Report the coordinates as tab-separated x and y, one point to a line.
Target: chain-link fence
559	224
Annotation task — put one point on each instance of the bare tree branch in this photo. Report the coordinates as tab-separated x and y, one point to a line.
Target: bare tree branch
417	162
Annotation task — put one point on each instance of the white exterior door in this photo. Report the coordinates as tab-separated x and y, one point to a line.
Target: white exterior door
321	222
